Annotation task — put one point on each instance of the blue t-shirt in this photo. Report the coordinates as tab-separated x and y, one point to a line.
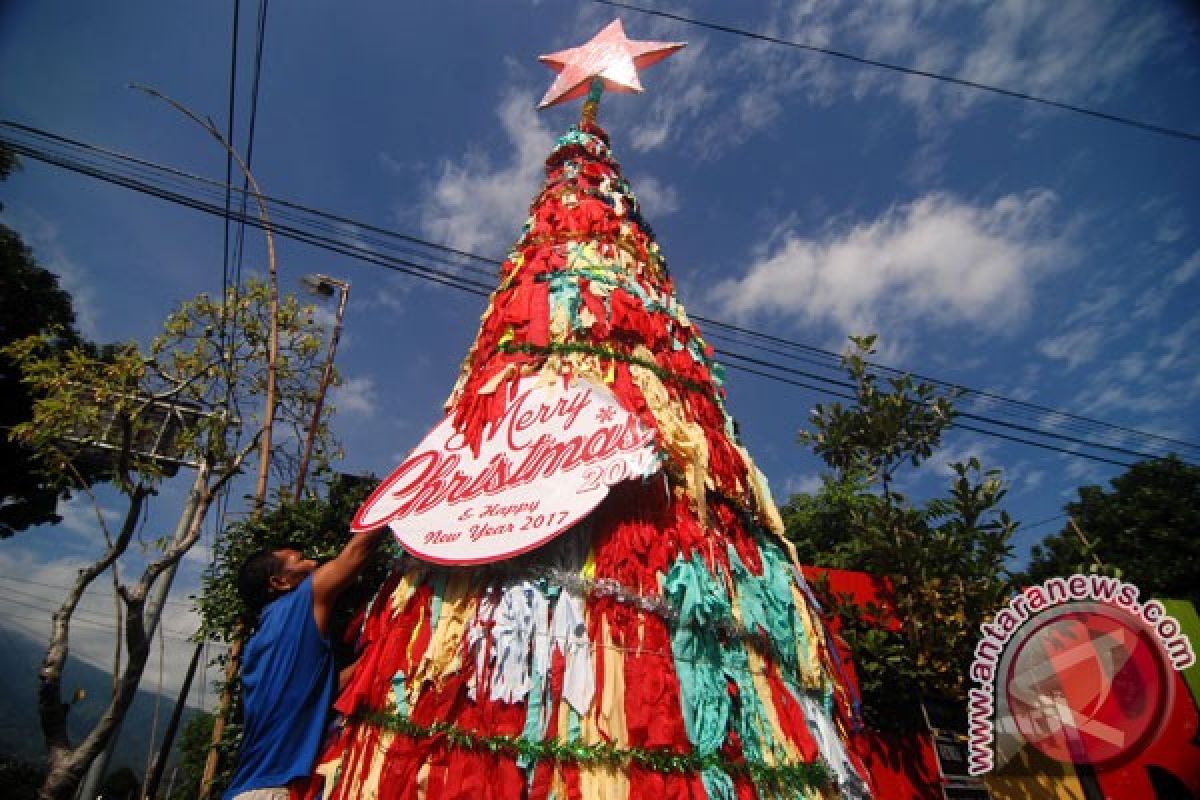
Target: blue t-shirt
287	688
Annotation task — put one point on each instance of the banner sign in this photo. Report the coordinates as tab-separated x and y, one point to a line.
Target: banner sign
542	467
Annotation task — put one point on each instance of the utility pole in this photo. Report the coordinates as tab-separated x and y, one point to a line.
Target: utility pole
150	787
324	286
264	461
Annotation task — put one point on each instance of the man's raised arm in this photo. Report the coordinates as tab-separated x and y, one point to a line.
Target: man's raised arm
330	578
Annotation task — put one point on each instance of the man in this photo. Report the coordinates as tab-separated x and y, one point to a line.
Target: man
287	669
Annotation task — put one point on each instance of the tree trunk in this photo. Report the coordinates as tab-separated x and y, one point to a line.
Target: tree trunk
63	773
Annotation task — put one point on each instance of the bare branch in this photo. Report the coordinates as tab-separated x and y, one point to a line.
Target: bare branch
51	710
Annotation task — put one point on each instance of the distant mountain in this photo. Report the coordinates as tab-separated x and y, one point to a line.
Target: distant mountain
20	733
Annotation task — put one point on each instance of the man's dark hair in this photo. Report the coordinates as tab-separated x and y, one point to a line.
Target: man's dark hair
254	579
254	576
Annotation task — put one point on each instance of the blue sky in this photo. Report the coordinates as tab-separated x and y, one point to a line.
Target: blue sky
1035	253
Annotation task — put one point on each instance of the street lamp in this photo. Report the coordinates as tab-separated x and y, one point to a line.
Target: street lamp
322	286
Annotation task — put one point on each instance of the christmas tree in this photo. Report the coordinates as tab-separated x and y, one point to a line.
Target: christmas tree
664	643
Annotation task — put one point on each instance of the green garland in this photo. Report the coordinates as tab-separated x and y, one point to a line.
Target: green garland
657	759
604	352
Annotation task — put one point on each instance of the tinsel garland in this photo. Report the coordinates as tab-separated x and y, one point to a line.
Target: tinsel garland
603	352
785	776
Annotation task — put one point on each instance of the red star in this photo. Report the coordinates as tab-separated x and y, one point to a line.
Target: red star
610	56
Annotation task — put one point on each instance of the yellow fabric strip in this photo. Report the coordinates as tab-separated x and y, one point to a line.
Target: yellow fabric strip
444	654
606	724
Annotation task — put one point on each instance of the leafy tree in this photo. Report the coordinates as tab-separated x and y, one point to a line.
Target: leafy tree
1144	529
121	784
212	359
944	558
19	779
192	748
8	162
823	525
31	303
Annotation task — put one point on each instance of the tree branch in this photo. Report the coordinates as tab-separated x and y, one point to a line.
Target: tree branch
52	712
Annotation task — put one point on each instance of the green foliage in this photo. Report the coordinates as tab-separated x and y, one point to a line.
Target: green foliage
19	779
31	304
203	366
96	411
192	364
121	784
8	162
824	523
192	749
945	559
886	426
1143	529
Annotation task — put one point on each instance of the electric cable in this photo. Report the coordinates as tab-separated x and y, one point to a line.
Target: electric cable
921	73
300	228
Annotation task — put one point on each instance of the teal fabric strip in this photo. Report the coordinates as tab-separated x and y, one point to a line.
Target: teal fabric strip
701	603
717	784
435	603
398	693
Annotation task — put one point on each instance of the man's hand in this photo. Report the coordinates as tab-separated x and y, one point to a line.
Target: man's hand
331	578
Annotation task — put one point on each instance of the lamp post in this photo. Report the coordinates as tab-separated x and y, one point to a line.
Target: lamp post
323	286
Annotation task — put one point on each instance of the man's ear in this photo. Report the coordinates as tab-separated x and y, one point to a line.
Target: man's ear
278	584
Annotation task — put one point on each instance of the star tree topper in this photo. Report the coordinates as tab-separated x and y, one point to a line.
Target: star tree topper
609	56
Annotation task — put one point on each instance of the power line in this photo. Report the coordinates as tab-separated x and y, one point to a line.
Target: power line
826	358
960	414
408	267
300	228
819	356
763	37
233	51
834	361
340	247
1042	522
260	40
30	582
83	617
178	637
962	426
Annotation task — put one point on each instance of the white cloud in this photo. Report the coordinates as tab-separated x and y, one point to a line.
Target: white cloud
655	197
649	137
961	450
1151	303
1068	48
478	206
1072	49
1156	382
44	238
79	516
1106	300
355	396
1081	471
1188	270
1075	347
937	261
1171	227
809	483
